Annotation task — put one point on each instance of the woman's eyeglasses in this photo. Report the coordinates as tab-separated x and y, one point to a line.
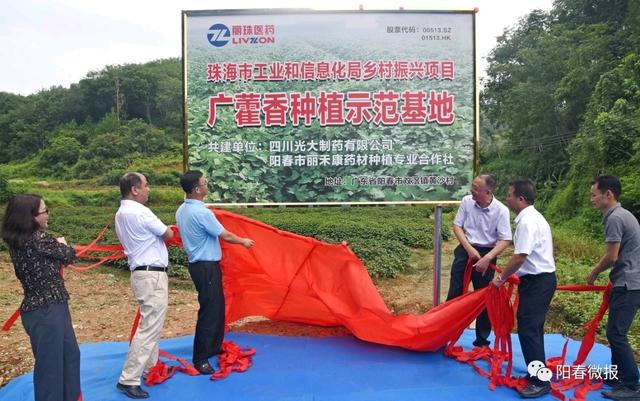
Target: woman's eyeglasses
46	210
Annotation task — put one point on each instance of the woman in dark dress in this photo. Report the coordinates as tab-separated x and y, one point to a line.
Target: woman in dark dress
37	258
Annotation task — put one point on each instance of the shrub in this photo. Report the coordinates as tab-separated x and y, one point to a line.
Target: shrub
57	158
5	193
381	236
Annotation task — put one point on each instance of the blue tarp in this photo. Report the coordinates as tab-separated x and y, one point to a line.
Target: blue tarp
303	368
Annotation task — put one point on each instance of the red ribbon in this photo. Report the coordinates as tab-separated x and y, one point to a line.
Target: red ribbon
232	359
501	315
497	300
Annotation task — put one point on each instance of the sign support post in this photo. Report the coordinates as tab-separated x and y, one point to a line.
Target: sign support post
437	256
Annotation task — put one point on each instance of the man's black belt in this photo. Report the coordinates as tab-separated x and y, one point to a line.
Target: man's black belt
150	269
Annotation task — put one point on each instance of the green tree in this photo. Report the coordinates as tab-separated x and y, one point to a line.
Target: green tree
609	140
58	157
524	72
560	100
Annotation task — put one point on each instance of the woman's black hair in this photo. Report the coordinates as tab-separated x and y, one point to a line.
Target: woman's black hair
19	223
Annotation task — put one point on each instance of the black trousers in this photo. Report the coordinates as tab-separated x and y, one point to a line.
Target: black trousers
536	292
207	277
623	306
56	374
483	325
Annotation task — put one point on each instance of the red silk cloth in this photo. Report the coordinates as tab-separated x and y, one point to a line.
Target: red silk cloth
501	308
231	359
289	277
292	278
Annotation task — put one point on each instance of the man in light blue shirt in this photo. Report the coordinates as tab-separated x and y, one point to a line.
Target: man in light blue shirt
200	232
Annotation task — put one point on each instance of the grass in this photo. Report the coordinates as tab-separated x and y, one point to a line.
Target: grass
573	244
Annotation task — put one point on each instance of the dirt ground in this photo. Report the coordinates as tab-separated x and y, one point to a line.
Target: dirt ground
103	308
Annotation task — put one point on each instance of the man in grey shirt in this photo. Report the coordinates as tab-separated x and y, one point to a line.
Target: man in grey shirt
622	233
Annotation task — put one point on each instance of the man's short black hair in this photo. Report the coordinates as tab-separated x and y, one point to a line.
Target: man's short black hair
608	182
190	180
128	181
524	187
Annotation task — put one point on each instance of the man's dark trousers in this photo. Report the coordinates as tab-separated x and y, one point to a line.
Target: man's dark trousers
207	278
623	306
483	325
536	292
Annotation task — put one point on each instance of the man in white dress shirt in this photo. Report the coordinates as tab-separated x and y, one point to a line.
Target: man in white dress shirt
142	236
533	262
483	229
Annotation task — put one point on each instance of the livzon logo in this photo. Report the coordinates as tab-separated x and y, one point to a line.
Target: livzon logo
218	35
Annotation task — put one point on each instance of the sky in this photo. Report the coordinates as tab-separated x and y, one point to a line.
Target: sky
45	43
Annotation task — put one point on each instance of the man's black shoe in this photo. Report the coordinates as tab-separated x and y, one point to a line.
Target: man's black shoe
132	391
204	368
535	390
481	343
622	393
613	383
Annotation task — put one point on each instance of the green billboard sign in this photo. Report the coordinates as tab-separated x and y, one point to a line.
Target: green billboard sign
310	107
